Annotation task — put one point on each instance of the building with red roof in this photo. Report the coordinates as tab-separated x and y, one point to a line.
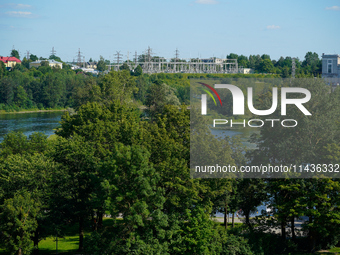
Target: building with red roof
10	62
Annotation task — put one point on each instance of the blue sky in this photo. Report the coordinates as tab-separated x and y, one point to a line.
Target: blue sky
198	28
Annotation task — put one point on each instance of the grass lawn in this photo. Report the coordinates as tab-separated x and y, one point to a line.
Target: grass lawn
68	244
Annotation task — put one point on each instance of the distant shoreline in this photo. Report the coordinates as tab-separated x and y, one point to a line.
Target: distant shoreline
34	111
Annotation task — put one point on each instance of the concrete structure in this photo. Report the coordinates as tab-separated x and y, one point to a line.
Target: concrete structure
10	62
51	63
331	68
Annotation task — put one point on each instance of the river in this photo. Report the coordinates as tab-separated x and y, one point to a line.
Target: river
28	123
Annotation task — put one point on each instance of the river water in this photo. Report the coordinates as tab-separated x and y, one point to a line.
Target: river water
28	123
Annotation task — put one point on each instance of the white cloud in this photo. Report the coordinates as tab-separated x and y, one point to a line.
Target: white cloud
20	14
16	6
271	27
333	8
206	2
21	6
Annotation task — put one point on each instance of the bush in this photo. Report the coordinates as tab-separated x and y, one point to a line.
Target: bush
236	245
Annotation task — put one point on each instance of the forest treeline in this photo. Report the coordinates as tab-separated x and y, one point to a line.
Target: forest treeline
51	88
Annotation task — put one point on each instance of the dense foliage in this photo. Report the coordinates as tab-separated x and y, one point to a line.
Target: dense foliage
112	159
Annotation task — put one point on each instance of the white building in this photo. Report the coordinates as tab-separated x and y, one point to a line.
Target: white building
331	68
51	63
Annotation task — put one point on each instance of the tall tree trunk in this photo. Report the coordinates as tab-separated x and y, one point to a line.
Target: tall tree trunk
233	220
81	233
283	229
311	236
36	242
225	218
292	223
247	215
100	219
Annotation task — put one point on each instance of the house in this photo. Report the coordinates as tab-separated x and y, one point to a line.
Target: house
51	63
10	62
91	65
331	68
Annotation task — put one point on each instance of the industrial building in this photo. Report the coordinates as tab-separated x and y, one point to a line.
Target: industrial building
331	68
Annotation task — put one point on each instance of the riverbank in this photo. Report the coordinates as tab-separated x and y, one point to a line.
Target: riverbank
33	111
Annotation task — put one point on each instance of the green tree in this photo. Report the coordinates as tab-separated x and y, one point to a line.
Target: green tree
20	97
25	62
6	90
124	67
101	66
138	71
45	63
15	53
2	69
265	56
56	58
160	95
312	63
266	66
243	61
117	86
18	222
33	57
75	181
232	56
254	62
142	84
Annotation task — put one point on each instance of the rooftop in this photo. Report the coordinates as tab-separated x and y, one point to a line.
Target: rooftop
7	59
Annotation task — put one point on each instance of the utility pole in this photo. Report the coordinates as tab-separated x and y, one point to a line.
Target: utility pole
293	68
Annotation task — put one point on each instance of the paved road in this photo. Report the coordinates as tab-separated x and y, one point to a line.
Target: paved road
298	225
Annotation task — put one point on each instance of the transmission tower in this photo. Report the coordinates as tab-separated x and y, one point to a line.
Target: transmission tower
27	54
136	58
147	59
293	67
79	57
176	59
53	52
118	57
148	55
176	54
